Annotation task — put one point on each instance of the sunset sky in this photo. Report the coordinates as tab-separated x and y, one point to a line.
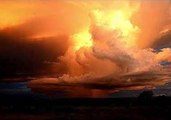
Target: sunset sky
85	48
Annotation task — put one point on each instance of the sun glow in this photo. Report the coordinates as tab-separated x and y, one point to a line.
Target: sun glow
120	22
82	40
117	20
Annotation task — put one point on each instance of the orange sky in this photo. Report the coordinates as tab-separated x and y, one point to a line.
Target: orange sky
71	16
116	34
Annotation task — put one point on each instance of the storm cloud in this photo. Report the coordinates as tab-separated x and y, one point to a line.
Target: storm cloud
22	54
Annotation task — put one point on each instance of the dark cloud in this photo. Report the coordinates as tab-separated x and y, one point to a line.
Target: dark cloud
22	54
164	41
87	85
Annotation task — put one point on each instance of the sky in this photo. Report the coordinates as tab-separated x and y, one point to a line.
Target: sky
85	48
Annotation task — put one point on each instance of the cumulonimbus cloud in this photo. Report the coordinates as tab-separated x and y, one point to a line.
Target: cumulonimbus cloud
111	60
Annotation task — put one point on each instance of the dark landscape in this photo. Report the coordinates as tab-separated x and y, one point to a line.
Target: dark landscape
43	108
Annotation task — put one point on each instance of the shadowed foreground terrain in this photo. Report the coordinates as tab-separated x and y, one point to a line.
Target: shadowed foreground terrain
42	108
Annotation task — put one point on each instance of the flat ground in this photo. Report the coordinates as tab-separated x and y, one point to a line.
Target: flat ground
26	108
